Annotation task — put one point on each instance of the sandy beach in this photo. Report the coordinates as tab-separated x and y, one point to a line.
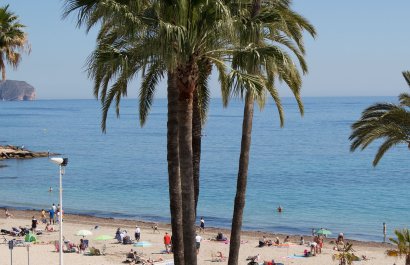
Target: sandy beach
44	252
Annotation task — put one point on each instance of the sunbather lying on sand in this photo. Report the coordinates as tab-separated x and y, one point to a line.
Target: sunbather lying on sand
219	257
49	228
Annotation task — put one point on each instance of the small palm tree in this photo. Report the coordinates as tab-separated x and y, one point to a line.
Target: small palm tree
387	121
403	245
346	255
13	40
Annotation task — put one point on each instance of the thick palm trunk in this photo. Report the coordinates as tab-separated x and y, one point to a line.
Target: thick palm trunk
239	206
3	71
186	85
243	161
197	120
196	146
174	178
407	259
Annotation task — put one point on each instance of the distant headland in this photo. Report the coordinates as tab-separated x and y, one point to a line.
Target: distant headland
12	90
16	152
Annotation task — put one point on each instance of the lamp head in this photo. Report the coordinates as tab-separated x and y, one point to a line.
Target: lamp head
59	161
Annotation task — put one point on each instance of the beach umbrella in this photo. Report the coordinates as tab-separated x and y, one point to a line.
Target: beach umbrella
30	238
324	232
104	237
84	233
143	244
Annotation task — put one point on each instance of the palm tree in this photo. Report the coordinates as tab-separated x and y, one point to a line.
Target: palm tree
13	40
387	121
346	255
178	45
116	50
403	245
264	25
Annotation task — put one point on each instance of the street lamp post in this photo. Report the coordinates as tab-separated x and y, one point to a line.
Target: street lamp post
62	162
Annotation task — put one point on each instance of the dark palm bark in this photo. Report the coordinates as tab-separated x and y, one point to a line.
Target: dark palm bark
3	71
187	75
174	178
239	206
407	259
197	121
235	240
196	146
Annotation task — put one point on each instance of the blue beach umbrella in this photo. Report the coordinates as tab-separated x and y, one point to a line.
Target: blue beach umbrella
143	244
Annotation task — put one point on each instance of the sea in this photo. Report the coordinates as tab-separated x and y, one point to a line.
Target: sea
306	167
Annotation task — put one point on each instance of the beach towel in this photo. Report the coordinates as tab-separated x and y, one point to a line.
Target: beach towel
165	262
295	257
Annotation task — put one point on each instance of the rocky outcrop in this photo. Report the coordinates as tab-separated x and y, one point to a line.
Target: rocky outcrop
9	151
16	90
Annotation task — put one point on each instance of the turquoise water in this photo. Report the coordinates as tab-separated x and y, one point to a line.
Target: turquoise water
306	167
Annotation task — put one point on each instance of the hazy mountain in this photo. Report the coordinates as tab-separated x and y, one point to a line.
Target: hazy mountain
16	90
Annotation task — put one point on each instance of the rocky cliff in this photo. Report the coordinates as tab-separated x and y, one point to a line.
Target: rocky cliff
16	90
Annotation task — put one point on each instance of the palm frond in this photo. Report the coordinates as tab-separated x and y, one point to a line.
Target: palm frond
146	95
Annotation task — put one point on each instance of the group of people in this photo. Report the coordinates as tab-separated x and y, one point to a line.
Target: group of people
134	257
168	243
123	237
315	246
72	247
268	242
54	214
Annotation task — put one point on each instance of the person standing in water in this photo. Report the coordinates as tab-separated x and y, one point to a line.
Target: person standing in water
384	232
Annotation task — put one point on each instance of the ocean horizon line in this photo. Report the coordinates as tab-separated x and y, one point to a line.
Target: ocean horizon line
163	97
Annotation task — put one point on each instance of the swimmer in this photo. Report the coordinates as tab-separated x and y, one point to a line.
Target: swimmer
279	209
50	189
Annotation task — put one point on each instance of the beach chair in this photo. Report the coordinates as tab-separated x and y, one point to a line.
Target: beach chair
57	245
130	257
85	242
94	251
104	248
127	240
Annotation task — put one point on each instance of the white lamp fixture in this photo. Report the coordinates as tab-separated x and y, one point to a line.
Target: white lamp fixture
62	162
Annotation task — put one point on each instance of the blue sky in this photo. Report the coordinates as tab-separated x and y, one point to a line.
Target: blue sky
361	49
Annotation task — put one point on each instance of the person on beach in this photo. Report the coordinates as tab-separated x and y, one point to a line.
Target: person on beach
384	232
202	225
137	233
340	239
198	240
81	247
118	234
302	241
43	216
7	213
313	247
262	241
54	207
155	228
167	242
49	228
51	214
34	224
319	244
287	239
